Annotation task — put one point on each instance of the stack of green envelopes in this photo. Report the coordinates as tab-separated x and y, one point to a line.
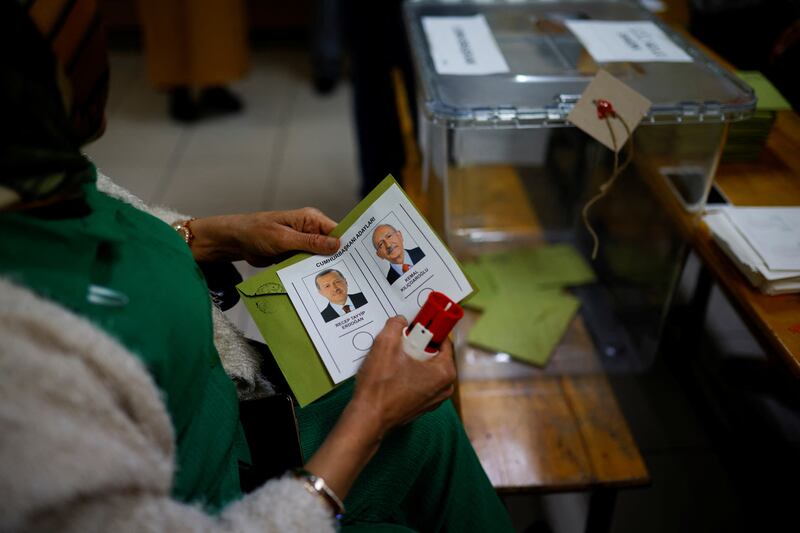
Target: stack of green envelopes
746	138
525	309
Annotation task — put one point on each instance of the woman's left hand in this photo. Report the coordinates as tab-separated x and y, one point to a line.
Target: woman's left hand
260	237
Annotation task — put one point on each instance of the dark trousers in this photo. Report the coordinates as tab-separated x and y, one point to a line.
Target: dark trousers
378	44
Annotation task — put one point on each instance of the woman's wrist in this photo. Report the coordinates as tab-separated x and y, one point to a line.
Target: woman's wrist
317	486
366	413
215	239
349	446
363	423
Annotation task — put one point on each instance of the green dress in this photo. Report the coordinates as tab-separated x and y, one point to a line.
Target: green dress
425	476
135	278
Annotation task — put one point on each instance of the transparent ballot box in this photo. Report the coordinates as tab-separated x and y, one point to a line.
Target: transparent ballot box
502	168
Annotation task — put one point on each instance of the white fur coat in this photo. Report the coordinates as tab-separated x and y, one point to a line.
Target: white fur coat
86	443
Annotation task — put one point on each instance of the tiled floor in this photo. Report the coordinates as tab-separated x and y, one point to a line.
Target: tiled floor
289	148
292	148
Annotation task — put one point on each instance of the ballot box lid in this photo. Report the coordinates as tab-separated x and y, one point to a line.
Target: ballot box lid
548	66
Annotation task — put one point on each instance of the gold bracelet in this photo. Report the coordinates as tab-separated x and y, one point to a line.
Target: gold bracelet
317	486
185	230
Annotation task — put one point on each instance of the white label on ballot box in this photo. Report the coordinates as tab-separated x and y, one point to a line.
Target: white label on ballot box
463	46
641	41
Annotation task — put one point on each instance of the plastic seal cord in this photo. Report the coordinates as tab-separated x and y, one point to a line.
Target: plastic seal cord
605	111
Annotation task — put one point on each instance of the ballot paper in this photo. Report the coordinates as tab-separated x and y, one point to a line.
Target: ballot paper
525	310
388	263
634	41
775	237
773	232
463	46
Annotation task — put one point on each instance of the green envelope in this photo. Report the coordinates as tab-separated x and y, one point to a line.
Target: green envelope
542	267
280	326
769	98
527	323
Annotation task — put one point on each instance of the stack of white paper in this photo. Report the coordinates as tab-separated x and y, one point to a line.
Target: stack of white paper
764	242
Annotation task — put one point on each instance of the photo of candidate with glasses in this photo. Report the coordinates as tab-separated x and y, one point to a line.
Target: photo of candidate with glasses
388	243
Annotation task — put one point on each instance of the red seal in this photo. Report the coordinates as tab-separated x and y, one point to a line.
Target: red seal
604	109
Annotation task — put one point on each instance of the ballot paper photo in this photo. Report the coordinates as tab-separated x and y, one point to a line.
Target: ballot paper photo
388	263
320	314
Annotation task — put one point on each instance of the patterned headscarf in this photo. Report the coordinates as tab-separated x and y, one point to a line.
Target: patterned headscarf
53	88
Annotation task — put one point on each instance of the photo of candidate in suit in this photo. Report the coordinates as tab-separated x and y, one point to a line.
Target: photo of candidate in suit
388	243
333	285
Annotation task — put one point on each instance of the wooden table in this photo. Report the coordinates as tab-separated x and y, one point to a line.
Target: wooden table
553	429
772	180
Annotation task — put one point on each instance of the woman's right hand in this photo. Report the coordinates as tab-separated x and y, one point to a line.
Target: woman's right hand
395	388
391	389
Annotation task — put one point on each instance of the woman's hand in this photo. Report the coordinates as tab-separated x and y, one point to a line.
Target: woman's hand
395	388
260	237
391	389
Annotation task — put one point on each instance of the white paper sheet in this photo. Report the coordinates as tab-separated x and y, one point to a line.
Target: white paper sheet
773	232
733	243
463	46
343	339
655	6
636	41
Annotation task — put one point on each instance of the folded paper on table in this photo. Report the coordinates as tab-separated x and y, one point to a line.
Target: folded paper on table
483	282
556	265
773	232
525	310
745	256
527	323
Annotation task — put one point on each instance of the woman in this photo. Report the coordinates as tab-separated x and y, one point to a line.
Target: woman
116	411
198	46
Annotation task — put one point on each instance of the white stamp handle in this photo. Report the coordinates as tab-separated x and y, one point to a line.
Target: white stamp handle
415	341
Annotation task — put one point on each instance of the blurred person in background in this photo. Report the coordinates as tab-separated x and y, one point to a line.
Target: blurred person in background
194	49
381	73
378	46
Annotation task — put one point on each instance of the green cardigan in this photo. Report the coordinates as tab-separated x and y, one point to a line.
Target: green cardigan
134	277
